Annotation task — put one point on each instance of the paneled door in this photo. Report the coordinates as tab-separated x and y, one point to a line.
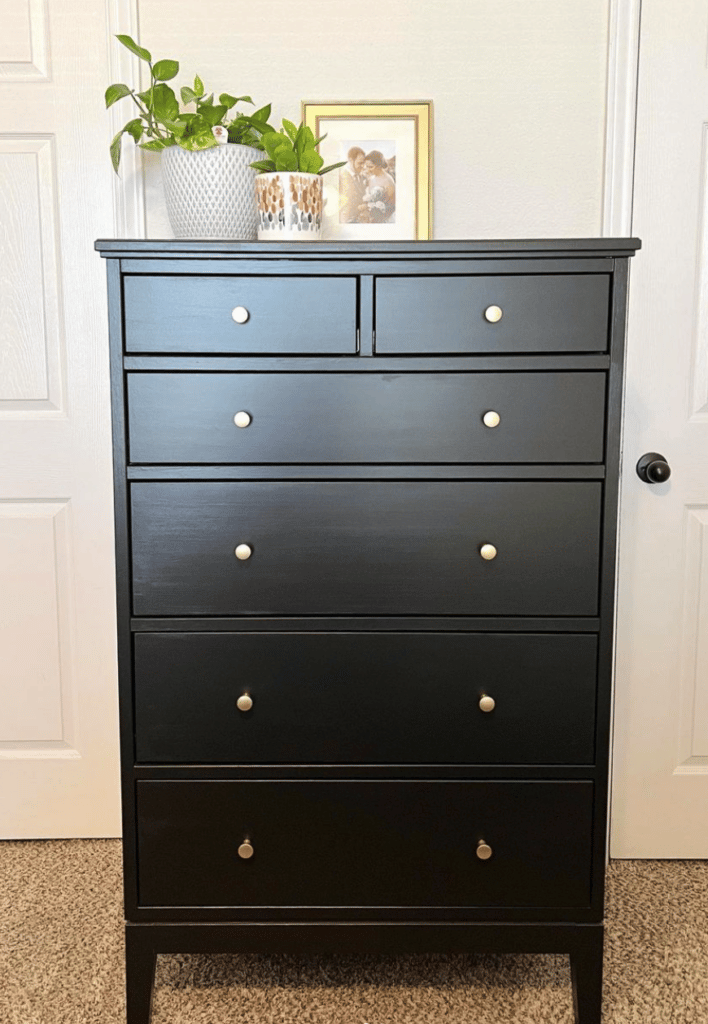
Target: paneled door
660	793
58	727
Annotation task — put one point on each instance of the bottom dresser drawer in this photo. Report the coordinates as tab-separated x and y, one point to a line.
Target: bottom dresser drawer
364	844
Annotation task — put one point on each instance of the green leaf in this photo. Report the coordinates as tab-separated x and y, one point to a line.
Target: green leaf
198	86
115	150
212	115
321	139
271	142
263	114
207	101
230	101
135	128
202	140
290	129
186	118
116	92
310	161
263	165
155	145
332	167
308	136
188	95
285	159
176	127
131	45
164	70
164	103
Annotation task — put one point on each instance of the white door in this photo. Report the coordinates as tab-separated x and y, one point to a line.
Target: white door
660	790
58	727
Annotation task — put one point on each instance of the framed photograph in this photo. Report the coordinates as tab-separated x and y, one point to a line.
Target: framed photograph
385	189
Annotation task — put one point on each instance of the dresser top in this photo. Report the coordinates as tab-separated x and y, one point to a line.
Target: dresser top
112	247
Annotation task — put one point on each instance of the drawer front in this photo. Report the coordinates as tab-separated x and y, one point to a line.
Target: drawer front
288	315
554	313
347	417
372	548
365	698
345	844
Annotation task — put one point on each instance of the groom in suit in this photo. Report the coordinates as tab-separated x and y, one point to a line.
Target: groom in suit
352	185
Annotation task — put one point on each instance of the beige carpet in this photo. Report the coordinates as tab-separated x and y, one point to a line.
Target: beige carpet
61	948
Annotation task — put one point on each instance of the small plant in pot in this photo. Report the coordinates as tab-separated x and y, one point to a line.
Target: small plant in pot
289	184
207	152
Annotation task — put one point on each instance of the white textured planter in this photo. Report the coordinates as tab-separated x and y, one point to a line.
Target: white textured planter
289	205
210	194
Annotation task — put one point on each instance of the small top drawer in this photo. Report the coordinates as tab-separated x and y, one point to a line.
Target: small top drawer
246	315
503	313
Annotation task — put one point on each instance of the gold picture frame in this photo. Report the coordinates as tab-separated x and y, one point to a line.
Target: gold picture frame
389	194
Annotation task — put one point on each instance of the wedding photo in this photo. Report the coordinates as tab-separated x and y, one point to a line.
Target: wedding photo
367	182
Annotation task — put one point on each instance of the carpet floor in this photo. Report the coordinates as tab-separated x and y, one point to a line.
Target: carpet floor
61	959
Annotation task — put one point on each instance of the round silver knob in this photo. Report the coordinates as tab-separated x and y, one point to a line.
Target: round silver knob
488	552
491	419
245	850
487	703
493	314
240	314
243	551
245	703
484	851
242	419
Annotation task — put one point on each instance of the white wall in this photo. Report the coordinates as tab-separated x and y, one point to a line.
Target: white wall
518	88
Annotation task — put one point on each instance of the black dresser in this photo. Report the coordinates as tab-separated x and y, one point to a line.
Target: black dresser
366	503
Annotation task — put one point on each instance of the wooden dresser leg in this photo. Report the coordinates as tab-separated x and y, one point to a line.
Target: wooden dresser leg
586	970
140	960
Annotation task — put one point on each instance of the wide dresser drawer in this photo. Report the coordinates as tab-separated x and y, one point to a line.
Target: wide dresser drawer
364	844
369	547
365	698
366	418
492	313
258	315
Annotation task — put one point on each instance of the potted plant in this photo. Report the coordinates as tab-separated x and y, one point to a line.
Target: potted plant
207	152
289	183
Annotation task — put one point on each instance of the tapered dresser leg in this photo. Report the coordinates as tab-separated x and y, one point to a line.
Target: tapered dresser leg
586	970
140	960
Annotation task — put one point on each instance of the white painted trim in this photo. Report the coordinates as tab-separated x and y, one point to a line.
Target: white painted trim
129	184
621	116
618	194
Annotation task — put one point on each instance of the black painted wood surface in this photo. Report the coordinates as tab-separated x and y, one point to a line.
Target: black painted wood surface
359	418
541	313
382	698
435	278
375	844
193	314
365	548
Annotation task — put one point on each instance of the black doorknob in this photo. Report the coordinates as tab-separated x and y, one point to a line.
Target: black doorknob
653	468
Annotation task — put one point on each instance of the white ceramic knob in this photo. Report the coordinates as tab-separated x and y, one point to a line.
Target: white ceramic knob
243	551
493	314
488	552
484	850
487	703
242	419
240	314
244	703
491	419
245	850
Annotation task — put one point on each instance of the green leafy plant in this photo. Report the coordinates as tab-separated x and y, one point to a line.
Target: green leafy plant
161	122
292	149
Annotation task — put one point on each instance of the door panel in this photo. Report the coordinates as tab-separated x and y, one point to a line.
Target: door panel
59	738
660	789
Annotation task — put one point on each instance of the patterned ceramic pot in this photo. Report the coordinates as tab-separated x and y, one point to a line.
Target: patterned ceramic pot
209	194
289	205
